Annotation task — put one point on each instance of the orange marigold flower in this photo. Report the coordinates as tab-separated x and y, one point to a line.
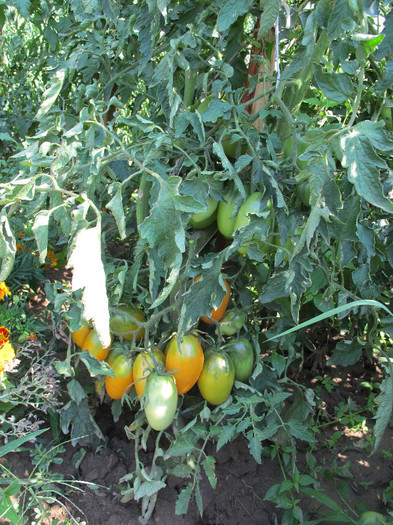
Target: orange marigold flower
7	353
4	290
21	234
4	334
18	247
51	256
32	337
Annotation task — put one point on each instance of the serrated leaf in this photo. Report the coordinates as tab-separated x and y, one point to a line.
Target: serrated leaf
336	86
52	92
148	488
346	353
227	434
208	465
94	366
230	12
364	165
116	207
183	500
299	431
89	275
385	407
7	247
255	448
180	448
76	391
271	9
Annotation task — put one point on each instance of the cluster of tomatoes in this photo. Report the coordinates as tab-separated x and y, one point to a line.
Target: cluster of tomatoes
159	377
231	216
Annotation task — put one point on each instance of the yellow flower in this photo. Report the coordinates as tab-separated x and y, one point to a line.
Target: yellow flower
4	290
6	354
51	256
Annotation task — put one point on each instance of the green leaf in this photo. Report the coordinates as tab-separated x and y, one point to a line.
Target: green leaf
208	465
76	391
298	430
340	20
94	366
364	164
116	207
13	445
50	95
385	407
89	275
227	434
7	247
347	353
183	500
148	488
336	86
271	9
325	500
230	12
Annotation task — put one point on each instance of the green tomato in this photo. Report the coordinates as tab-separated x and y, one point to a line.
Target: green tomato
251	206
206	218
232	322
371	518
303	191
386	114
233	147
242	355
301	145
226	212
216	379
161	401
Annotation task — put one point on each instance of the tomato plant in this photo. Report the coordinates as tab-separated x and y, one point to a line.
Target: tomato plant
146	363
242	356
93	345
161	401
204	219
185	357
80	335
122	383
216	379
125	321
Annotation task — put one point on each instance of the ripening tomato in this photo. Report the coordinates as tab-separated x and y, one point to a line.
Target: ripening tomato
218	313
232	322
186	359
205	218
371	518
122	382
242	356
124	322
93	345
226	212
161	401
145	363
253	205
217	377
80	335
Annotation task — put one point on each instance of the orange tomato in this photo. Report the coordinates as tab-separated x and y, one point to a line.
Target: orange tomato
217	313
123	380
79	335
93	345
144	364
186	361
